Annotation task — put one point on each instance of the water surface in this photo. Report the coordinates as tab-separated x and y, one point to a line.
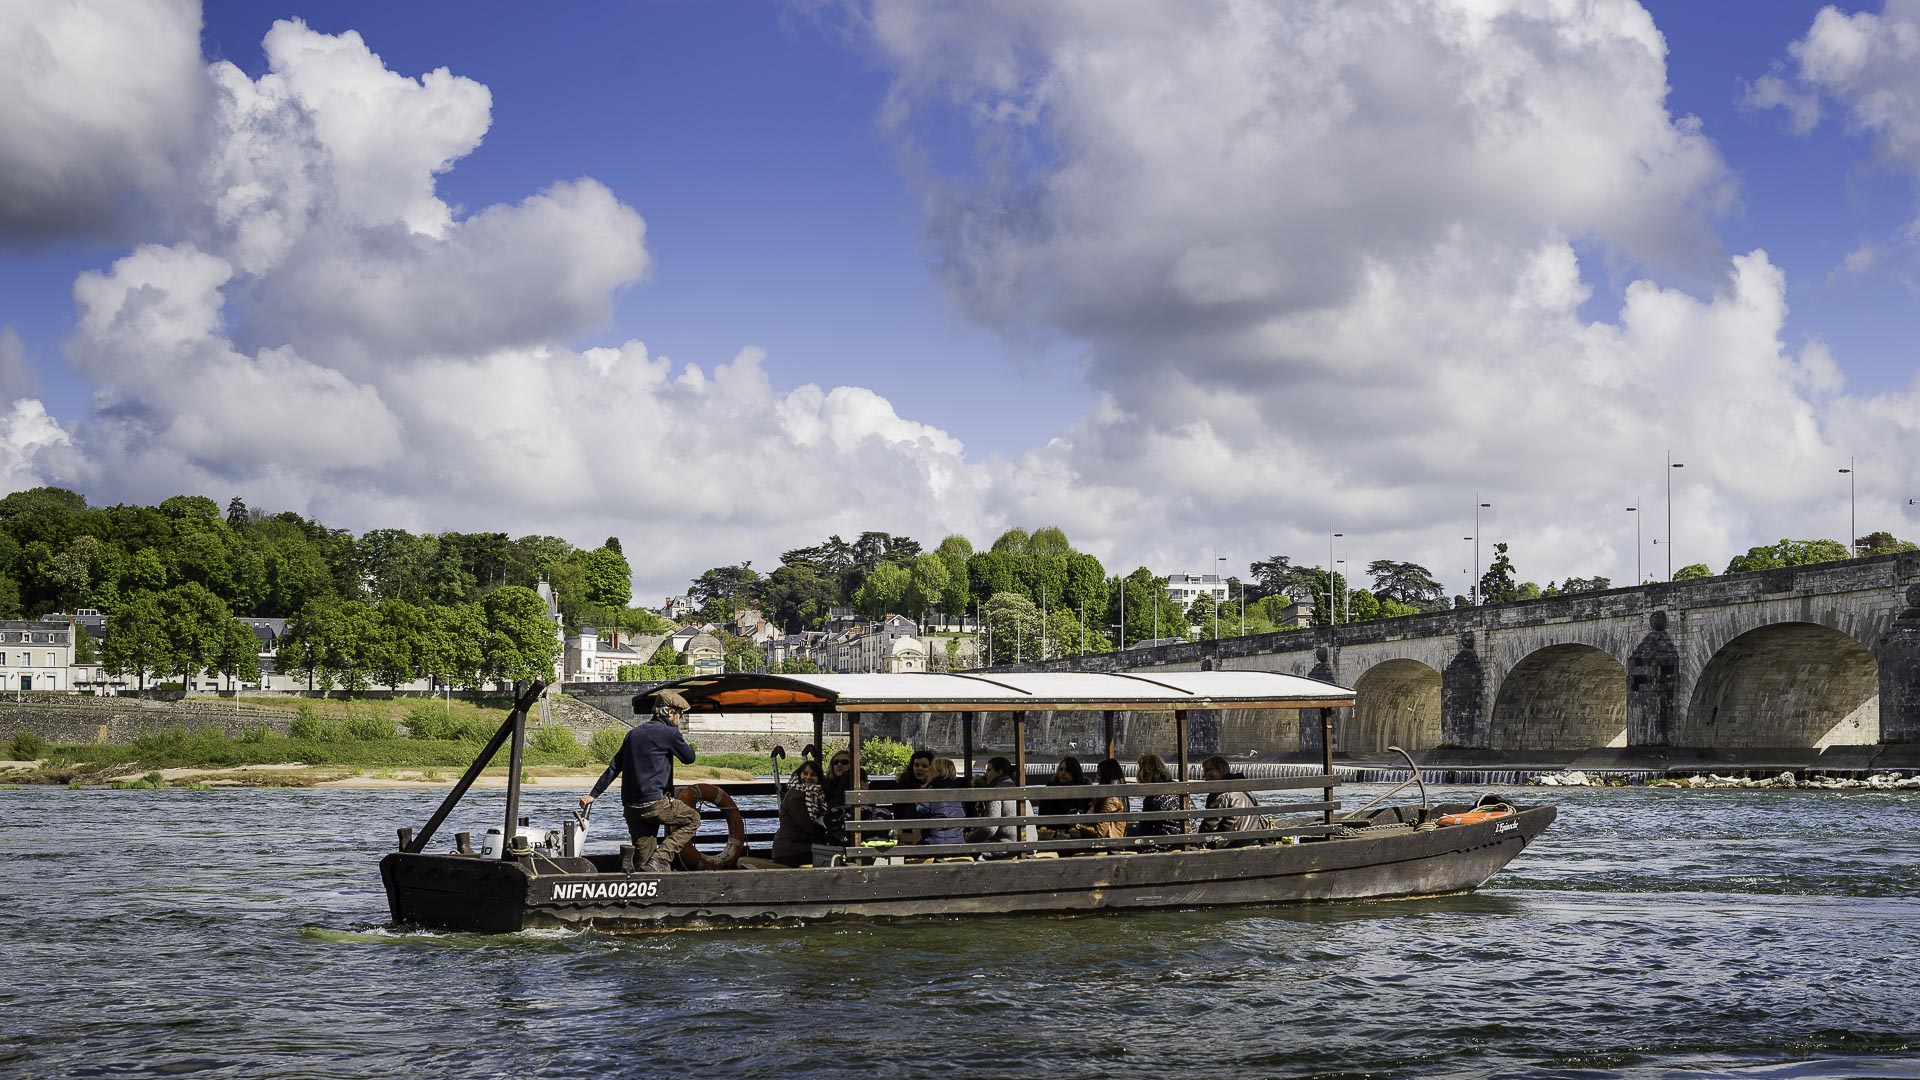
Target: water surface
1648	934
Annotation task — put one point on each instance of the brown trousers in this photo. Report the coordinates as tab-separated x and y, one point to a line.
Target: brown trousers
681	822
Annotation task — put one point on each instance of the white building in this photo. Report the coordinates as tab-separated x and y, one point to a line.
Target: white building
35	654
1184	589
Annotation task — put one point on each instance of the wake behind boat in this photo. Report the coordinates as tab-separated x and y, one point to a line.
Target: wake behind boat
1301	849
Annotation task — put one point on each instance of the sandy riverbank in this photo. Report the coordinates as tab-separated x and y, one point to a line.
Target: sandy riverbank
299	775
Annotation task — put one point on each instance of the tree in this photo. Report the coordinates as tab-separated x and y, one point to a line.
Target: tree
1012	627
1497	585
1580	585
1086	584
1408	583
799	596
798	665
401	642
613	545
453	652
137	641
724	590
1205	615
520	641
926	584
1882	543
609	580
883	591
237	512
1691	571
1787	553
238	657
196	627
740	653
1145	598
954	551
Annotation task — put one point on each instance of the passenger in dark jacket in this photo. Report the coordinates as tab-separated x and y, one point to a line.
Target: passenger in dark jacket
1152	770
1066	774
1216	768
803	817
999	775
644	764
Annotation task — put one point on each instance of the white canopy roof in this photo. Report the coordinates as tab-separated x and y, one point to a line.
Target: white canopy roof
1009	692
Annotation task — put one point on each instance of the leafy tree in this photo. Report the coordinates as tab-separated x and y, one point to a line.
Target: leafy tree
195	624
9	597
453	654
1012	627
520	642
1787	553
1409	583
798	665
1011	542
883	592
400	642
237	515
1048	542
1361	606
666	655
1691	571
1882	543
608	578
724	590
1497	585
954	551
1580	585
84	649
137	639
799	596
739	653
1205	616
238	655
926	585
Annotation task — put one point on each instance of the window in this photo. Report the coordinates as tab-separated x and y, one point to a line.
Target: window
52	660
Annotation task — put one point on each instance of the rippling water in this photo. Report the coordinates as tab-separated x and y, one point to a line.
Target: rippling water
1648	934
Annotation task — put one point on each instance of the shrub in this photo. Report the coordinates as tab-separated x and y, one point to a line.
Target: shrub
604	744
27	746
474	730
369	727
553	741
254	733
884	757
310	726
428	721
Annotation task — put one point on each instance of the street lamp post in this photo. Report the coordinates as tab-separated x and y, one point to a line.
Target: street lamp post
1671	465
1853	525
1331	612
1477	507
1346	595
1638	579
1473	577
1217	560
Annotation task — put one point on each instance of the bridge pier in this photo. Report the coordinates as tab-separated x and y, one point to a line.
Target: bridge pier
1899	657
1463	698
1653	686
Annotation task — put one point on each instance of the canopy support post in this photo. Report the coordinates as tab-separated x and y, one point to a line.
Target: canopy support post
1020	763
820	739
1108	713
1326	755
1180	742
853	752
966	744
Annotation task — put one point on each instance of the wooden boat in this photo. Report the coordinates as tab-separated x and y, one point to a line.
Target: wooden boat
1281	853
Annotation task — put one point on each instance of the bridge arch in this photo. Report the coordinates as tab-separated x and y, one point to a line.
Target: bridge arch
1562	697
1793	684
1396	703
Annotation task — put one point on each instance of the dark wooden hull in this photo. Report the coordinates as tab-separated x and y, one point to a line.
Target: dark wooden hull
492	896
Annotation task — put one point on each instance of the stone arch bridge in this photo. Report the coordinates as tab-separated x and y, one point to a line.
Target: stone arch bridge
1788	665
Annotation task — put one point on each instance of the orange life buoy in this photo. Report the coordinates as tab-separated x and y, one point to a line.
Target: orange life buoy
1472	817
690	857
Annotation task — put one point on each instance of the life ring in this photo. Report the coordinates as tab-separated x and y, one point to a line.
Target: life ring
1472	817
690	857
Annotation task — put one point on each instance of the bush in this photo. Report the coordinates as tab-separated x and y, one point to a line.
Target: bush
254	733
369	727
428	721
27	746
553	741
884	757
310	726
604	744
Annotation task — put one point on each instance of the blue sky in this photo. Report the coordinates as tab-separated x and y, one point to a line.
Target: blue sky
824	182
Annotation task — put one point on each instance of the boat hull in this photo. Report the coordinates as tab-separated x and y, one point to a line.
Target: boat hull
494	896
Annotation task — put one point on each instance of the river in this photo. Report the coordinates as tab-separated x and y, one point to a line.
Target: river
1648	934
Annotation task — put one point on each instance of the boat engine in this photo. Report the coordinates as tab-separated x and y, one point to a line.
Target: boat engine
569	840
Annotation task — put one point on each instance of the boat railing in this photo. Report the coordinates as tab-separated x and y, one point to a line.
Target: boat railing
1258	821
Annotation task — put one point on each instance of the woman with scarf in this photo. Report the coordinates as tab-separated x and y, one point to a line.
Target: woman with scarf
803	817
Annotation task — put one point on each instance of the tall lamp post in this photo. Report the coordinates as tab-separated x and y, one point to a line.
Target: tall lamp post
1477	507
1671	465
1347	593
1473	579
1330	608
1217	567
1638	579
1853	525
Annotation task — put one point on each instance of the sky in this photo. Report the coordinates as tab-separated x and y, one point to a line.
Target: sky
1199	283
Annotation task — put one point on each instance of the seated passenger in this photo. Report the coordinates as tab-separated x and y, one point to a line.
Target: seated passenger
1067	774
1216	768
803	817
1108	772
999	774
1152	770
924	772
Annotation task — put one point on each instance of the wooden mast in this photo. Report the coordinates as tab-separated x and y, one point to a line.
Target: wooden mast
521	700
1180	743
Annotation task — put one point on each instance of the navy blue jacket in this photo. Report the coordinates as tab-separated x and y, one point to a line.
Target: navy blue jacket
931	809
645	763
